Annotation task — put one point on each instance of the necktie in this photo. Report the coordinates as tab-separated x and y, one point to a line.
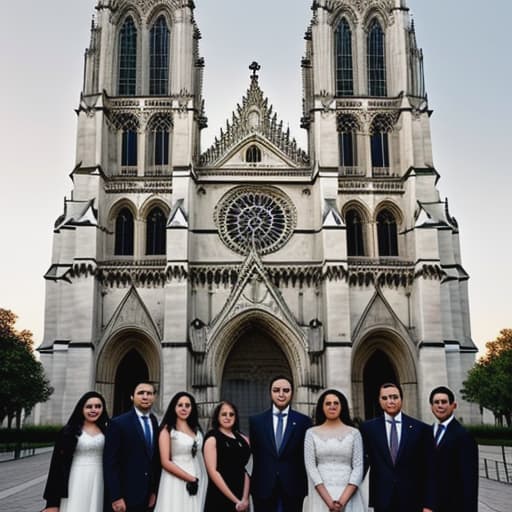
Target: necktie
279	429
147	431
439	433
393	440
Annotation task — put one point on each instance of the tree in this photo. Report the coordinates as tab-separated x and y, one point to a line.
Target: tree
23	383
489	382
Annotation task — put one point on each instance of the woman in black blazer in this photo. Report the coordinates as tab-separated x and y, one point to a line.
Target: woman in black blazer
67	478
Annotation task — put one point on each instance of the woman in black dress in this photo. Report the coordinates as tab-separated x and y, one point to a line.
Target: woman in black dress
226	453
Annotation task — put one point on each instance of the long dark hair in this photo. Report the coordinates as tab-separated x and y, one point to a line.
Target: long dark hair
345	411
76	420
170	418
214	421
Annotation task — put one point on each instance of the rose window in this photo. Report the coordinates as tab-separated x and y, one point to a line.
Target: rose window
259	217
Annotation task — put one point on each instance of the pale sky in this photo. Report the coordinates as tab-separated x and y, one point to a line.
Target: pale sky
468	76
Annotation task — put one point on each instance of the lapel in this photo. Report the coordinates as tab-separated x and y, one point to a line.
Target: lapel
382	439
404	437
268	425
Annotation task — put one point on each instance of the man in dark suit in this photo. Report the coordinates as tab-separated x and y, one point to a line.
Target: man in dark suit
278	481
399	450
131	460
456	456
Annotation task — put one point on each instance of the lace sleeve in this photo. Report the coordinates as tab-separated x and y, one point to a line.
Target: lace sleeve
310	459
356	475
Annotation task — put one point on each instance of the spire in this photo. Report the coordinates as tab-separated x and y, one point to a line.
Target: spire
254	115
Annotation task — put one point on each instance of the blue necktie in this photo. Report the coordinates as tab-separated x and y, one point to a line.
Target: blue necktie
393	440
279	429
147	431
439	433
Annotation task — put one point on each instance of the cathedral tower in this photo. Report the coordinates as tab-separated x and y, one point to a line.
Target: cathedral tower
212	270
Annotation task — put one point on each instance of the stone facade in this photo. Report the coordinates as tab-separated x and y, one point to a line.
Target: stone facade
338	265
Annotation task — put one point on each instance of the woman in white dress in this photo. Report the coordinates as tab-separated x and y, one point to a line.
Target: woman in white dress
183	481
75	478
333	455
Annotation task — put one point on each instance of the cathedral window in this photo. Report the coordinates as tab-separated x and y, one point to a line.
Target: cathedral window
127	79
161	155
380	128
159	142
124	233
129	148
347	128
355	240
380	150
376	60
253	154
159	58
155	232
387	233
344	69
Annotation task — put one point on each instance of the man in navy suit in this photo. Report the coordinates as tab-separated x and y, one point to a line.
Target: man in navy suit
131	462
278	480
399	450
456	456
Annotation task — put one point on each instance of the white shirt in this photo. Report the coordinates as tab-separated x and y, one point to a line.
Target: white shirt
142	422
445	423
399	421
275	411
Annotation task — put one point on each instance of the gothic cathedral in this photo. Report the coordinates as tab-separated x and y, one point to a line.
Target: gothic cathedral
213	269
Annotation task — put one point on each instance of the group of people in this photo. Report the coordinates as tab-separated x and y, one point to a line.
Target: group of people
130	463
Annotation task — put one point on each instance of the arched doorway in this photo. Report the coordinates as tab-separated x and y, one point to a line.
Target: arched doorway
131	369
377	371
253	361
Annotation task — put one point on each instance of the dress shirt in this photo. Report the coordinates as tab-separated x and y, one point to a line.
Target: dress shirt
398	420
276	411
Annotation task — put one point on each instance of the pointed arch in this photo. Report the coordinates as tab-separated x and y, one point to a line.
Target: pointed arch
124	233
155	231
376	59
387	232
344	58
159	49
159	142
357	222
220	346
253	154
348	126
127	58
393	347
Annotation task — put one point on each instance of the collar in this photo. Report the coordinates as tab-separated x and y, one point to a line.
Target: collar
140	413
398	418
445	423
275	410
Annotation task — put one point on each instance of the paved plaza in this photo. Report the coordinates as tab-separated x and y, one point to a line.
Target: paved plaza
22	483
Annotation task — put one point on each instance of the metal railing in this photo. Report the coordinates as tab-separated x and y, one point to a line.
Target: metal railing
497	466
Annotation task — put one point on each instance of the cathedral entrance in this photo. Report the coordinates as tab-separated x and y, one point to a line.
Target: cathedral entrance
377	371
131	370
254	360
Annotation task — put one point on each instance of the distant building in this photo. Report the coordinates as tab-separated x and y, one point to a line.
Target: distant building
213	269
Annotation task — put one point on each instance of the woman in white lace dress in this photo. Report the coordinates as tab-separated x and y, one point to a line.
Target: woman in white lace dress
75	478
333	455
183	482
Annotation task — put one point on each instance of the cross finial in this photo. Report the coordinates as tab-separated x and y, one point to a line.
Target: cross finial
254	67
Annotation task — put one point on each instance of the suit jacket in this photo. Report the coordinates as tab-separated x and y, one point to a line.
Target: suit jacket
131	469
271	465
457	470
410	482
